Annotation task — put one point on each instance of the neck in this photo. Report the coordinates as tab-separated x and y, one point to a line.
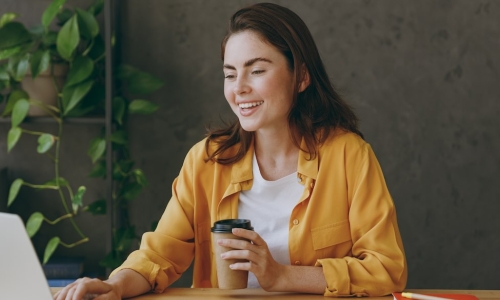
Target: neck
276	154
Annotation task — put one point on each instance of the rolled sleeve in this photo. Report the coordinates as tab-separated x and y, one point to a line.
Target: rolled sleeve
149	270
337	283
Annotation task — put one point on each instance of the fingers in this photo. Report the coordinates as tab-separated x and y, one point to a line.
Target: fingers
246	266
61	294
237	244
250	235
241	254
82	289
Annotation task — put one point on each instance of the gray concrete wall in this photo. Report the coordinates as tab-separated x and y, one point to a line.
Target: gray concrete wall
423	77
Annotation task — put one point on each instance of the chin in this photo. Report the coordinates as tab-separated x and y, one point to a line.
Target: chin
248	127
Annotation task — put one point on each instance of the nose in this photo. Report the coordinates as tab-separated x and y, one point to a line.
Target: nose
241	86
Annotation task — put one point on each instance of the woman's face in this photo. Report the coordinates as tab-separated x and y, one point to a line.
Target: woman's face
258	83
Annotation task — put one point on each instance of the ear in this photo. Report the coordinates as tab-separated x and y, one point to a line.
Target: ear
305	80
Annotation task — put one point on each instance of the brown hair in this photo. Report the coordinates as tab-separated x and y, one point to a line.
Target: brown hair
315	112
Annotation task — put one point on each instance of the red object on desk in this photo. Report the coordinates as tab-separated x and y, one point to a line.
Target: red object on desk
399	296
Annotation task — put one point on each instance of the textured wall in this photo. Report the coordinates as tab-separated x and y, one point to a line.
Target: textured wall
422	75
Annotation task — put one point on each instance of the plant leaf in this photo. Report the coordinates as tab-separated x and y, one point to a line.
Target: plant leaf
91	102
6	18
63	16
140	106
144	83
119	137
68	38
97	207
123	238
77	200
13	34
50	248
39	62
121	169
34	222
139	82
19	66
99	170
140	177
19	112
72	95
14	96
9	52
125	72
96	7
131	191
4	75
98	48
37	30
53	182
49	39
118	109
97	149
12	137
45	142
87	24
14	190
51	11
81	68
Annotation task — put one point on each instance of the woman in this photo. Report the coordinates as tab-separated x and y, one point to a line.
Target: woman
294	163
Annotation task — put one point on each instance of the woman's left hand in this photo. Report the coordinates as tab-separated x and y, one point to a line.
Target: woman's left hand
260	261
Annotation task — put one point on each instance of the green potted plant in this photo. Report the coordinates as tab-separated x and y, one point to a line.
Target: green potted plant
76	45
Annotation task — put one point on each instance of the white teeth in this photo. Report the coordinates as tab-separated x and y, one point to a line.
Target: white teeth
250	104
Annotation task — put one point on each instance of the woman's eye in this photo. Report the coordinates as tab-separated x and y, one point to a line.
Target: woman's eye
258	72
229	76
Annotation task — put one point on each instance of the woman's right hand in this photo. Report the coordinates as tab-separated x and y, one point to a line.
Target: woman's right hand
88	288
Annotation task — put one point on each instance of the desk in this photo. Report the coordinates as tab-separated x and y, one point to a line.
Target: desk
258	294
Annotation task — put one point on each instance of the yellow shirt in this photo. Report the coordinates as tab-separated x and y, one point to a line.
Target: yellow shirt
345	221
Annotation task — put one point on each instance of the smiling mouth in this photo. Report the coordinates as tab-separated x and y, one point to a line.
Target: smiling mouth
250	104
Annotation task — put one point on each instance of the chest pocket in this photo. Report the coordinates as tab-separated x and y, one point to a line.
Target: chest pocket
330	234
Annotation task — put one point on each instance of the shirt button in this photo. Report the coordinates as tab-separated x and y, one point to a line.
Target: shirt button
298	263
295	222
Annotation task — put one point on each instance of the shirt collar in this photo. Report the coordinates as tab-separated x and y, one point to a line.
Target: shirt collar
307	167
242	169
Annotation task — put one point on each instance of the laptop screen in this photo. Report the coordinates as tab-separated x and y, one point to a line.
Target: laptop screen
21	275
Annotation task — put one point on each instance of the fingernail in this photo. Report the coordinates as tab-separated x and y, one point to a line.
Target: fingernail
231	266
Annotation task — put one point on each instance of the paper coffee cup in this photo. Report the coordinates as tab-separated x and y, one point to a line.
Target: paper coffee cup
228	278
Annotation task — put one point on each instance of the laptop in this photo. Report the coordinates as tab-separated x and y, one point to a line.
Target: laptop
21	274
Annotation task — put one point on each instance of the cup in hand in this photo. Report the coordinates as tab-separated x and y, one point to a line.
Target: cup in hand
228	278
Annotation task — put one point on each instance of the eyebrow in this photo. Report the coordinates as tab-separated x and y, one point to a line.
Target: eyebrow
248	62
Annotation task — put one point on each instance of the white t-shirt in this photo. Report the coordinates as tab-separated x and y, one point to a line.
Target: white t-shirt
268	205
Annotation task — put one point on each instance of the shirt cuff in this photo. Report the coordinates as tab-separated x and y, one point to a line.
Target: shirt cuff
336	276
152	272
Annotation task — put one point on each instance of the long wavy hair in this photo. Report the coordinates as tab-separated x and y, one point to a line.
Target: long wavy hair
314	112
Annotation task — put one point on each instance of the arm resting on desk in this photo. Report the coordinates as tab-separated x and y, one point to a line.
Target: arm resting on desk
129	283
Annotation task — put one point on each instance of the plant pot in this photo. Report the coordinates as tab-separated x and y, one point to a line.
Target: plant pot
42	88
